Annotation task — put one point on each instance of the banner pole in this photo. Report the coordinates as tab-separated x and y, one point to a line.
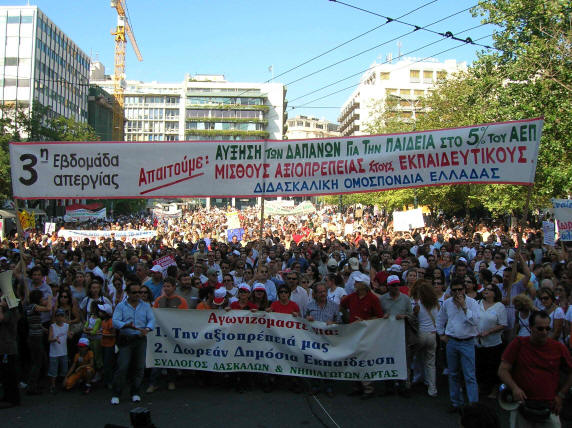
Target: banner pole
525	214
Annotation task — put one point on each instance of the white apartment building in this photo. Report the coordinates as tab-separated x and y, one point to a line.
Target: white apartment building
406	81
305	127
40	63
201	107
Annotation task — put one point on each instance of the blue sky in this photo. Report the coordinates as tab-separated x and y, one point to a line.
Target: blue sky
241	39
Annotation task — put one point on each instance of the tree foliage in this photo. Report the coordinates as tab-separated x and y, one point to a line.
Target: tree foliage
528	75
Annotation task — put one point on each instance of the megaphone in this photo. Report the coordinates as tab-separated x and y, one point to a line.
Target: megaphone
506	399
8	290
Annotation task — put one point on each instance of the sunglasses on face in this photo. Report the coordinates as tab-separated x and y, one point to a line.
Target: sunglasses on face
543	328
545	298
456	290
283	292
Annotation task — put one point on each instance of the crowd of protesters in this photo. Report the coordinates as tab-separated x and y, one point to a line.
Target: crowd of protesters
465	289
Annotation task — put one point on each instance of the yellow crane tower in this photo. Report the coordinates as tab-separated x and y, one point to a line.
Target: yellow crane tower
123	28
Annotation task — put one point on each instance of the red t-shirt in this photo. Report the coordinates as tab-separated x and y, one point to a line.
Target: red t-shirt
284	309
535	369
249	305
365	308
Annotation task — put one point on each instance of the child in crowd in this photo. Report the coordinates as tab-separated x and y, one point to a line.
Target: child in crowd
92	332
107	344
82	369
58	335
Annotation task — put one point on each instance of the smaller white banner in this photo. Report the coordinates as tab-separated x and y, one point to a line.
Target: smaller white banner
85	215
549	232
563	217
408	220
117	234
49	228
241	341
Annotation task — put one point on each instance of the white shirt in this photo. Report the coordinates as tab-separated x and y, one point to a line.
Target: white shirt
489	319
301	298
426	323
454	322
336	295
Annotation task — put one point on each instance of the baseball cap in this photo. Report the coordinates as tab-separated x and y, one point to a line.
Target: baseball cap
219	295
332	264
258	286
393	279
244	286
361	277
462	259
509	260
60	312
83	342
236	252
212	271
156	268
395	268
354	263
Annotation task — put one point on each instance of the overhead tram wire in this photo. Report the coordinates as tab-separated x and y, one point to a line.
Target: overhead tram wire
445	36
385	62
343	44
353	86
348	41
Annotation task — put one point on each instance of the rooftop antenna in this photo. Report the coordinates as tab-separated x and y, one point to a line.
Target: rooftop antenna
399	48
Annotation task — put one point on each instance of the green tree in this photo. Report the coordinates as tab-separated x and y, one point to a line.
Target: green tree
530	75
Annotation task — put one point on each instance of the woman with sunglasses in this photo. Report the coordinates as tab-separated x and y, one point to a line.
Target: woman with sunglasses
492	322
471	288
146	294
554	311
284	305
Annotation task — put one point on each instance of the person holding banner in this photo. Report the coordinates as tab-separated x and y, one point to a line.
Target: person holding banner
361	305
243	303
133	318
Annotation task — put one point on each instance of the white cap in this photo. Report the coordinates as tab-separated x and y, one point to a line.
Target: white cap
157	268
393	279
354	263
361	277
219	295
395	268
244	286
83	342
332	264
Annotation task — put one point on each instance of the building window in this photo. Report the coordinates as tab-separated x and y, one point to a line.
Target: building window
384	75
414	76
299	123
391	91
427	76
418	93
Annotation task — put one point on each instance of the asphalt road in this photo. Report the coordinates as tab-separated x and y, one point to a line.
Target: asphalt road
216	406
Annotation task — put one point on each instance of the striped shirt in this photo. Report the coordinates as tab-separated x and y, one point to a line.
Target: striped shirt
330	312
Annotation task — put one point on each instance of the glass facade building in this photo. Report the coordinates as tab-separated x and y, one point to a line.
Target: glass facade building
40	63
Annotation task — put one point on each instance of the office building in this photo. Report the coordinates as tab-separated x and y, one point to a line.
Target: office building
201	107
405	81
41	63
306	127
100	112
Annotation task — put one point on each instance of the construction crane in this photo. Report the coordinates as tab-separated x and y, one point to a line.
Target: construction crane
123	28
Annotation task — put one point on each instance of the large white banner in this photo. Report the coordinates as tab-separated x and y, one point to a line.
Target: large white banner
491	153
241	341
563	216
129	234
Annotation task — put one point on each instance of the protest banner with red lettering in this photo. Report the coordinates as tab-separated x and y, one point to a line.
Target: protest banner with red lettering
563	217
165	262
491	153
242	341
